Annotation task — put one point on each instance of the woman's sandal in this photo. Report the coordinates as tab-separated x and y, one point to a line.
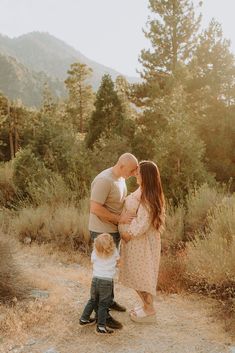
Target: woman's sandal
135	309
140	316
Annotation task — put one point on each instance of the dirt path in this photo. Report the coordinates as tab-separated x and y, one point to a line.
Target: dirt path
185	323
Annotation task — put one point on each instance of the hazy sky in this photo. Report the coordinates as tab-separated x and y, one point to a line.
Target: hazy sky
106	31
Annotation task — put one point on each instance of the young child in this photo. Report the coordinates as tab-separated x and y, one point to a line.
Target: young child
105	259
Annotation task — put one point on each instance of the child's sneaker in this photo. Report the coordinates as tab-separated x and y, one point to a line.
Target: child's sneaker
83	322
102	330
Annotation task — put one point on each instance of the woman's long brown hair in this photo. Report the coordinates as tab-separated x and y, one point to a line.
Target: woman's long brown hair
152	192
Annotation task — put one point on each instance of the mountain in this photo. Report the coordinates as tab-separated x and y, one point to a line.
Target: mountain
17	81
40	51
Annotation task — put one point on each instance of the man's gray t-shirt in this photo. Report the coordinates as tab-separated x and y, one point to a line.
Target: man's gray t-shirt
109	191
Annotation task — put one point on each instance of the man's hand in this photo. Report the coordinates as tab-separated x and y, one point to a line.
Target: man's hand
126	237
126	217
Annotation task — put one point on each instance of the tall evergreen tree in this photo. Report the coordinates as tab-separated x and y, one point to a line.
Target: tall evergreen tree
212	97
173	35
108	116
48	103
123	89
81	96
213	65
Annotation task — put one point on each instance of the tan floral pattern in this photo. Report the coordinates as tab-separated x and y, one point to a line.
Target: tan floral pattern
140	257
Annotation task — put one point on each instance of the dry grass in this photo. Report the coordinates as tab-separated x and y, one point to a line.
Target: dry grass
13	285
33	223
47	269
172	273
173	236
7	187
65	225
211	257
21	317
200	203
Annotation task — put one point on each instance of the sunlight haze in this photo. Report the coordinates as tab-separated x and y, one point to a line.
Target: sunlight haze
106	31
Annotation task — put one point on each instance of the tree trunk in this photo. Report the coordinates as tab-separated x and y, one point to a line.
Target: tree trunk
80	110
174	39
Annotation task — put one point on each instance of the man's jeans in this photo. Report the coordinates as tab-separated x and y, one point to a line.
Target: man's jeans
100	300
116	237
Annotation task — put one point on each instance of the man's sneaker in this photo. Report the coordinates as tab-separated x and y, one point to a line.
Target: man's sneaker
102	330
117	307
112	323
89	322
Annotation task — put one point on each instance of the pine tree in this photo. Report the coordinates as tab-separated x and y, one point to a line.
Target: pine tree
213	65
48	103
108	116
81	96
173	37
212	96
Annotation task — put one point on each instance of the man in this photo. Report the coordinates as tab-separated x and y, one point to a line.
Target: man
108	192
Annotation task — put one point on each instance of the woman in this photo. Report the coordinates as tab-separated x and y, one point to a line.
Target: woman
141	242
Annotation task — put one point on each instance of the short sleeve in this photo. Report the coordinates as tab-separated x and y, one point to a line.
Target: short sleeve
100	190
93	256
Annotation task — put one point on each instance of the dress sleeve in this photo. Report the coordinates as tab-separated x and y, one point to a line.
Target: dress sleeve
141	223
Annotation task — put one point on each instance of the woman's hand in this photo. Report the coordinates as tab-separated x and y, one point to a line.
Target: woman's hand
126	217
126	237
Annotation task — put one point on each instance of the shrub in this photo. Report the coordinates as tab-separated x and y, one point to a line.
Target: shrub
210	261
83	217
54	144
173	236
172	273
200	202
28	169
65	225
53	191
6	216
67	228
7	187
33	223
12	284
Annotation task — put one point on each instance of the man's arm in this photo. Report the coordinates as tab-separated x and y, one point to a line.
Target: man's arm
102	212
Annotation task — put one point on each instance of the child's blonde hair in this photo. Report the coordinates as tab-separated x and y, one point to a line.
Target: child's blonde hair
104	245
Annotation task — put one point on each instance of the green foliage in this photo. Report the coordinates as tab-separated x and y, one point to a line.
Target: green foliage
54	144
173	35
81	96
106	151
48	101
27	170
108	118
179	151
212	94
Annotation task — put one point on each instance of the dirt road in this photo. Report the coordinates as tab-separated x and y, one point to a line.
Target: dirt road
49	324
